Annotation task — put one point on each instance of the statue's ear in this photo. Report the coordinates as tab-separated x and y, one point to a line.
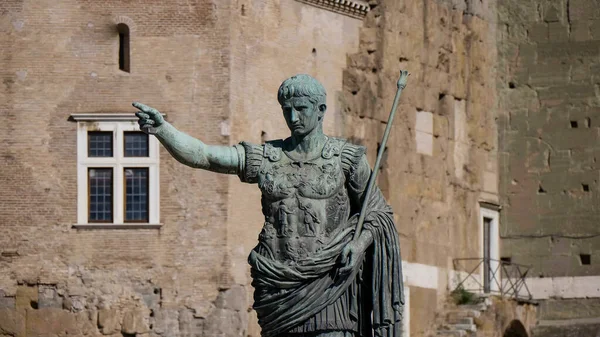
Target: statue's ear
322	109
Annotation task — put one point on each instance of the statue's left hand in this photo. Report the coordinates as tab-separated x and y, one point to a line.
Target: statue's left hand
351	256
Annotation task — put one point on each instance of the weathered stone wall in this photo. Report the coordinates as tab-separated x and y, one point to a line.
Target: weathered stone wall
441	156
507	318
548	86
548	75
568	318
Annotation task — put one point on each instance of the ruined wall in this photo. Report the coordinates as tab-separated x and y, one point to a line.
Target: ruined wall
59	58
548	92
441	156
548	84
507	318
568	318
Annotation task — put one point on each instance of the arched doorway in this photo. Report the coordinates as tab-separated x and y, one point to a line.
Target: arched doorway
515	329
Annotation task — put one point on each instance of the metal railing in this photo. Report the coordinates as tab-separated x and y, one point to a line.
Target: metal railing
489	276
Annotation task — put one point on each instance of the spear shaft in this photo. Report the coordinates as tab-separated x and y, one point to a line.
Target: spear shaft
401	85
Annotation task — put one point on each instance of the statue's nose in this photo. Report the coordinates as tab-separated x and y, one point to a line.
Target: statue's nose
293	116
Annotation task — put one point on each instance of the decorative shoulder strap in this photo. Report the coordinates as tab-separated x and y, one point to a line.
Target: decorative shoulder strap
333	147
272	150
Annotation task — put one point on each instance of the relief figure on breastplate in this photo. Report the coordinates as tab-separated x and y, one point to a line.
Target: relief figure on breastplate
311	277
310	219
284	227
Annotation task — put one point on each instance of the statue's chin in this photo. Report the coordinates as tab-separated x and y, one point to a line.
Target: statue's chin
298	133
301	133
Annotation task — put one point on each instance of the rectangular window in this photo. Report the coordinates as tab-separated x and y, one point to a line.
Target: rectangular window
100	185
118	174
136	195
100	144
136	144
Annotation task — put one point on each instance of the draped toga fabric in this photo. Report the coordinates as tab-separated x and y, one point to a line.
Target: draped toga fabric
287	295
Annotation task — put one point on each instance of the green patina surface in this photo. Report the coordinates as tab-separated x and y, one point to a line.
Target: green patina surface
310	276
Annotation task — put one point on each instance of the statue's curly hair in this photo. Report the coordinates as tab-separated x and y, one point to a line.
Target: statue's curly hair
302	85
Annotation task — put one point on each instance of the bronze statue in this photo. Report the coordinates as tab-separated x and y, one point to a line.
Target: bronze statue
310	277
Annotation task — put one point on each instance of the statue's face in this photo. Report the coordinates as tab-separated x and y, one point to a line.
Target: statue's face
301	115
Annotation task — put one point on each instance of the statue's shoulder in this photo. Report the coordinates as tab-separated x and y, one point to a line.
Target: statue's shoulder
351	155
270	150
255	155
341	147
273	149
252	150
333	147
344	147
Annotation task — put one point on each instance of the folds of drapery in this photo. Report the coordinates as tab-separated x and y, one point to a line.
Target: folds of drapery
287	295
387	289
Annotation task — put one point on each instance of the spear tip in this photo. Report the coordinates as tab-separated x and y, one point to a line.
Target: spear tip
403	78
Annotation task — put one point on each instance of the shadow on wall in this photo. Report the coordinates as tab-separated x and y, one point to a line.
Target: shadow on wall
515	329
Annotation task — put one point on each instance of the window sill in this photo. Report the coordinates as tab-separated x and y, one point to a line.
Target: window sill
118	226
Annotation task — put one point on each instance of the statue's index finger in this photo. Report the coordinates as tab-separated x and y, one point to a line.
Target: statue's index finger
149	110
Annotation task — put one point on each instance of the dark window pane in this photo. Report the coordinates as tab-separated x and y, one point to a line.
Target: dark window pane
100	144
136	194
136	144
100	190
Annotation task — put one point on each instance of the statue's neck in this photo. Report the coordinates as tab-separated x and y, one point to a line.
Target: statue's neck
310	142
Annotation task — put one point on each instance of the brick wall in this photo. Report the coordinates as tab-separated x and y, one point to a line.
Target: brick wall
59	58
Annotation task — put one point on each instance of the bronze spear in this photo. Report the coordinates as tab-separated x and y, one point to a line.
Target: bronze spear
401	85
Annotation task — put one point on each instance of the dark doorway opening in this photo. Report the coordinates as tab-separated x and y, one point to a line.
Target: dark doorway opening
515	329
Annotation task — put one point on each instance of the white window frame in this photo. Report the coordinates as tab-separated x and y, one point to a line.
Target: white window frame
490	211
118	124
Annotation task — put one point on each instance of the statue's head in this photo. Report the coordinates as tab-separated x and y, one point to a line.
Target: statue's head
303	101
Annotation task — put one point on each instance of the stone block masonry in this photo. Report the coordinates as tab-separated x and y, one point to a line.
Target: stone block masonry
442	151
547	82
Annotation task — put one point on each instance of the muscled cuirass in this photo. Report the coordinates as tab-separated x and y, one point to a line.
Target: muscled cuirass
304	201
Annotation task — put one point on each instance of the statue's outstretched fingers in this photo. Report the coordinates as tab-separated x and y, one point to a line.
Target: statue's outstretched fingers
142	115
144	108
139	105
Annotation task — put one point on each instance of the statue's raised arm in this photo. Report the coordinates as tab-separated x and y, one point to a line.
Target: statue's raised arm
185	148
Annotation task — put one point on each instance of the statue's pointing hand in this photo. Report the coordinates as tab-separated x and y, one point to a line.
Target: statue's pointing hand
149	118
